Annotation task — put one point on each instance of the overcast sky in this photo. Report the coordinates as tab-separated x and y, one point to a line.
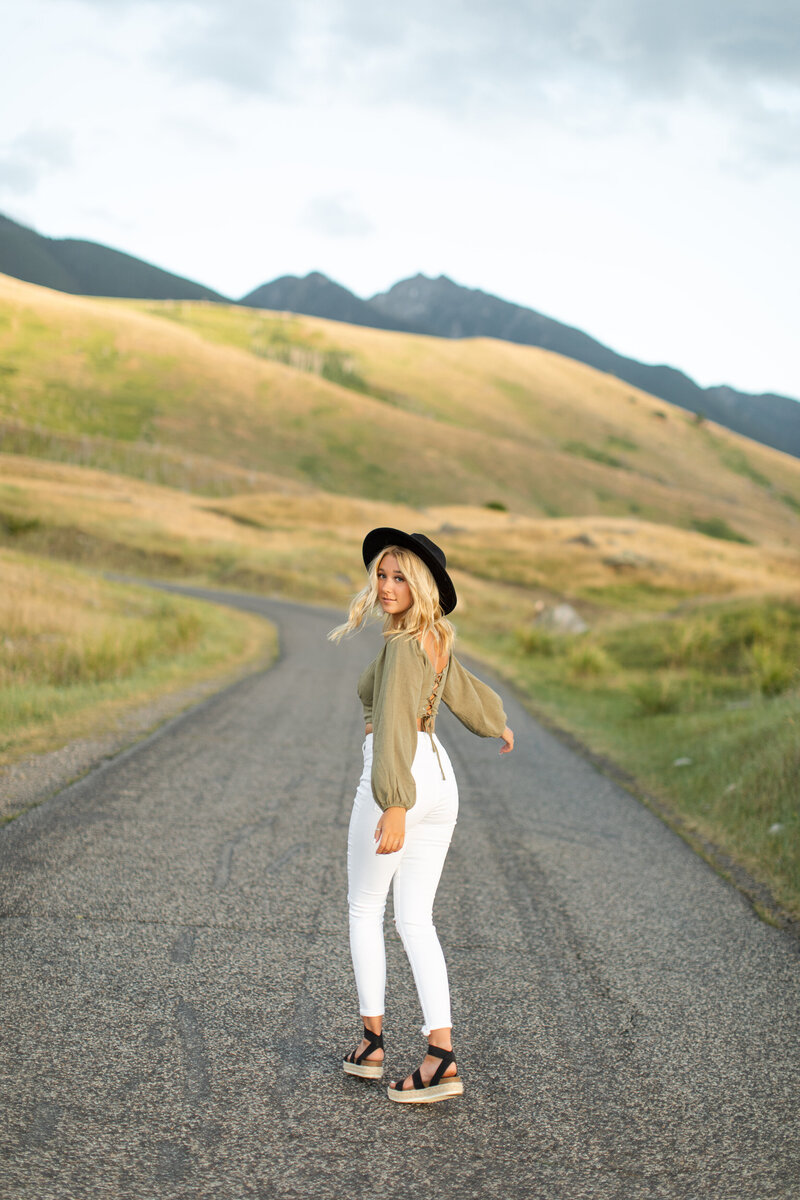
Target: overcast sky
628	166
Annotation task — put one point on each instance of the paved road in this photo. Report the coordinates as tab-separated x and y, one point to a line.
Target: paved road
176	987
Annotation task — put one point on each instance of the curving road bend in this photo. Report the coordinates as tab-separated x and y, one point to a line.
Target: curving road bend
176	993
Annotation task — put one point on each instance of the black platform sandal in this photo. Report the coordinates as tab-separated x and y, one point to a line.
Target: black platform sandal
438	1088
357	1066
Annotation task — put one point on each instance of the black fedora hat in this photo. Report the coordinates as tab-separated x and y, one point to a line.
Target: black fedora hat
431	554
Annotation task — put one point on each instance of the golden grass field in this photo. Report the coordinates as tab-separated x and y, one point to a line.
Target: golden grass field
470	422
77	651
283	438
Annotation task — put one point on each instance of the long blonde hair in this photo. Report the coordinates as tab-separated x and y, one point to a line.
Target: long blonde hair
423	617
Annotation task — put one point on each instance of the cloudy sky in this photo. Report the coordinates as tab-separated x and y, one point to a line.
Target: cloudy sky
628	166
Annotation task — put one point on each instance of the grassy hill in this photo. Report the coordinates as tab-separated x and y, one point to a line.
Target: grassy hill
381	415
445	309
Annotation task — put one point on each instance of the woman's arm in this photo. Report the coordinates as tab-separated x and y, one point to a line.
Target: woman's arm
395	740
475	704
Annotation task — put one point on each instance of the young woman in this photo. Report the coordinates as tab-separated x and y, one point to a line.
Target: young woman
406	804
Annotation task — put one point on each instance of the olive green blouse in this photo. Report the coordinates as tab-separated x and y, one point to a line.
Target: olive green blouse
400	687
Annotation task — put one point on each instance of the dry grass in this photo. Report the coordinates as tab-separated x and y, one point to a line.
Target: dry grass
76	651
605	566
671	467
420	421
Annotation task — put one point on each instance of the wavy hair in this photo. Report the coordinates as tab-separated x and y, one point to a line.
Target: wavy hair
423	617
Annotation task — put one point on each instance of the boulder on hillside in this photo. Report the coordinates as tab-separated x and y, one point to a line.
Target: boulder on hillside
562	619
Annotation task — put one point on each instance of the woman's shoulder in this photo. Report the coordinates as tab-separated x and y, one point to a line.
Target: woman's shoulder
404	654
400	646
431	650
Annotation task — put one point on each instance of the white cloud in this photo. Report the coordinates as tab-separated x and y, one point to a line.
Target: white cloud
29	156
336	216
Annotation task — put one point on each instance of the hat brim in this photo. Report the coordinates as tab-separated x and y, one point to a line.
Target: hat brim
378	539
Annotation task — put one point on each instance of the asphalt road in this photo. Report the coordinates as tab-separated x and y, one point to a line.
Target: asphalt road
176	991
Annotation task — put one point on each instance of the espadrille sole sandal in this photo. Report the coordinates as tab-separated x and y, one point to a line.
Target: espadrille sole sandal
452	1086
353	1065
438	1088
363	1070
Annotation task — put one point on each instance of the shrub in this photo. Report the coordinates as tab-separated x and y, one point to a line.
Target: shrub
589	660
496	505
17	523
656	695
773	672
537	641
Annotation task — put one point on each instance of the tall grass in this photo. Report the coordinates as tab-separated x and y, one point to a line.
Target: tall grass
76	649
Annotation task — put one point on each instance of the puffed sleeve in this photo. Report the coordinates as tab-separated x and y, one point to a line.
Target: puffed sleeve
394	720
473	702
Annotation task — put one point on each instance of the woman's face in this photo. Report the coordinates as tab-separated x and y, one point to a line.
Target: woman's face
393	590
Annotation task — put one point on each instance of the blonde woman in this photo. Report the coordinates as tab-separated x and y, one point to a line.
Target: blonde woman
406	804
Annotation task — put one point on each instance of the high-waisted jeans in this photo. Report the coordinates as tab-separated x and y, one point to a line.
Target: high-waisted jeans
414	870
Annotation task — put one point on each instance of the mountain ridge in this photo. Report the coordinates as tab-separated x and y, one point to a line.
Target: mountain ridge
443	308
315	295
84	268
420	304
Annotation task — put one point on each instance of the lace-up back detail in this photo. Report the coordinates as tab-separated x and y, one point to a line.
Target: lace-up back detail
428	713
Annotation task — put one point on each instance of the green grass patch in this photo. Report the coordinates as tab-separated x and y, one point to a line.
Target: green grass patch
736	460
594	454
280	339
96	390
635	595
621	443
718	527
720	687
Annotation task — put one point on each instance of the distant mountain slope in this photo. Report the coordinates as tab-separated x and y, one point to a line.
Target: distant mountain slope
436	307
89	269
446	309
364	412
317	296
442	308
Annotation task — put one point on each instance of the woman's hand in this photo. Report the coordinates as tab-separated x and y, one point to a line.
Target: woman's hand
390	832
508	738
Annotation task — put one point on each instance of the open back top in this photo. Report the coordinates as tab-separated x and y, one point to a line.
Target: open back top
401	687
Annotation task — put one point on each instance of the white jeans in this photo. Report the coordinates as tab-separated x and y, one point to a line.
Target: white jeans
415	870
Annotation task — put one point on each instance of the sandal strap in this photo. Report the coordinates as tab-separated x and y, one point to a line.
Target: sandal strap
447	1057
375	1043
